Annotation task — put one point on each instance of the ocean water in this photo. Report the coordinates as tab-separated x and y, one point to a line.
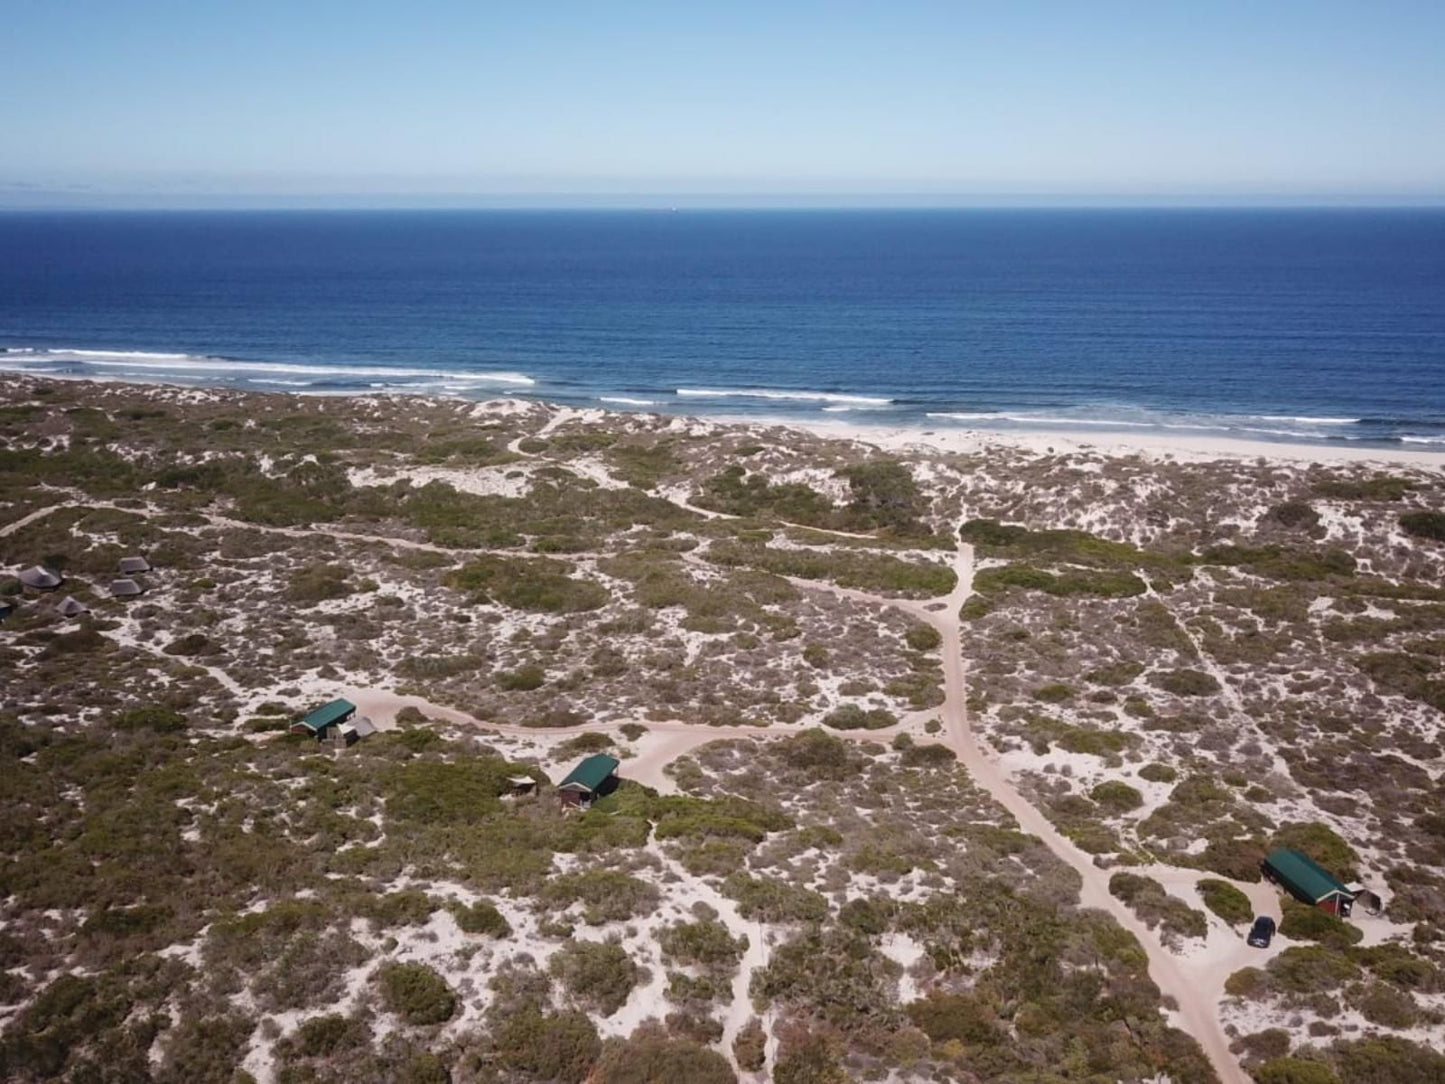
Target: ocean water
1304	325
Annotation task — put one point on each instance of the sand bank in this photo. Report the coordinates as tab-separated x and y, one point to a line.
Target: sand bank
1149	445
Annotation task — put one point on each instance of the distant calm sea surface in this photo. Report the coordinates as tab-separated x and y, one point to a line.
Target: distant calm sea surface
1275	324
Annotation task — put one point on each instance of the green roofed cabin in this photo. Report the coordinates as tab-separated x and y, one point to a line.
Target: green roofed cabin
593	777
1307	881
324	718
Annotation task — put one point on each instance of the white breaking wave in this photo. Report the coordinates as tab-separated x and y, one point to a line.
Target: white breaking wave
136	359
764	393
625	400
1423	440
1038	419
1304	420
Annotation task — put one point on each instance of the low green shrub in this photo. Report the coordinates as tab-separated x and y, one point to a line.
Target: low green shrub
1117	796
416	993
1428	525
1226	901
482	918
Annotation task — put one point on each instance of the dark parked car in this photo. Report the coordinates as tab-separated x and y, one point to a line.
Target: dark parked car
1262	932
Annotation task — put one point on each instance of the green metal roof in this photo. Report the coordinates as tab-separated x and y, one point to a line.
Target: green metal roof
1303	876
592	772
337	711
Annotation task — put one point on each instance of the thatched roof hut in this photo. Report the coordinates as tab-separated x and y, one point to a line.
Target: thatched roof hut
125	588
40	579
130	566
70	606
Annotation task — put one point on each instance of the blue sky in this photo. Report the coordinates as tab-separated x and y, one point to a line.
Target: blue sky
204	101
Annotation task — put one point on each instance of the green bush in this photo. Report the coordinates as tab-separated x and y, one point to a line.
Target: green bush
923	637
768	900
524	678
927	755
1185	682
853	717
1294	514
750	1047
554	1046
1321	843
535	585
1294	1071
1226	901
1114	673
1148	899
706	943
482	918
650	1055
599	975
1158	773
607	895
1120	797
416	993
1301	922
1055	693
322	1036
153	717
1377	487
1429	525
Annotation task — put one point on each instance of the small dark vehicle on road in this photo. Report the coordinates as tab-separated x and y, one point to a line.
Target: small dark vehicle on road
1262	932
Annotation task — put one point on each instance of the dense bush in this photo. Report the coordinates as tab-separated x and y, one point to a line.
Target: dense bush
650	1055
706	943
1117	796
767	900
606	895
852	717
1429	525
1226	901
1323	844
1148	899
750	1047
416	993
535	585
599	975
1185	682
923	637
1301	922
1294	1071
547	1046
482	918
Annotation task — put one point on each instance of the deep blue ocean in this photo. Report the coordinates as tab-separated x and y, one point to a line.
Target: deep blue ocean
1318	325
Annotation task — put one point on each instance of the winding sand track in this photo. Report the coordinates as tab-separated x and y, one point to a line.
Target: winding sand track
1194	986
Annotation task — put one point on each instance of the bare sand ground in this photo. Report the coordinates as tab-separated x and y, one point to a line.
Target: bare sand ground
1148	445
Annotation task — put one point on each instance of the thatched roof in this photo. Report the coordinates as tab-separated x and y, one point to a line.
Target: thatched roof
129	566
70	606
41	579
126	588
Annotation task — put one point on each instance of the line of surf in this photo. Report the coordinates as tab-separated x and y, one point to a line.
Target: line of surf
769	393
201	363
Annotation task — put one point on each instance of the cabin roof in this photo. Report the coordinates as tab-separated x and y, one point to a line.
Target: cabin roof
1303	876
337	711
591	773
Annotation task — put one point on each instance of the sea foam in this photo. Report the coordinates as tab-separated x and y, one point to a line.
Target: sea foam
768	393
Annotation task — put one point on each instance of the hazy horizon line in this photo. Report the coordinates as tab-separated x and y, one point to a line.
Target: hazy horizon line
49	202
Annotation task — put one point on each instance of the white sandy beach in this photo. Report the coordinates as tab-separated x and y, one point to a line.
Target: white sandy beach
1149	445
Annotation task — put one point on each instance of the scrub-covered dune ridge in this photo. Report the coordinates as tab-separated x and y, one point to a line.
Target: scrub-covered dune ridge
931	763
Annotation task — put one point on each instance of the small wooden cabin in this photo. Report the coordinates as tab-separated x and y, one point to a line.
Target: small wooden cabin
593	776
316	723
1307	881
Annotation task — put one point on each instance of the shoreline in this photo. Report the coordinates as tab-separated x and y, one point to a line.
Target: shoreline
1109	444
891	437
